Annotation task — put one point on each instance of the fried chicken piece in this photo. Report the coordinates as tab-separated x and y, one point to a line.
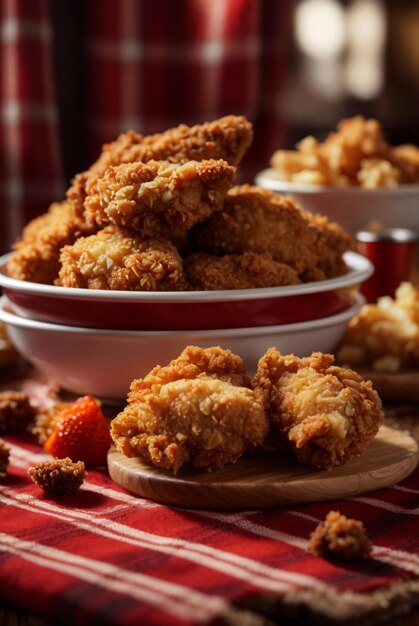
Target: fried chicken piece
237	271
117	259
36	254
227	138
193	362
258	220
356	154
203	422
158	198
406	158
326	414
340	537
16	412
384	336
335	241
58	477
356	139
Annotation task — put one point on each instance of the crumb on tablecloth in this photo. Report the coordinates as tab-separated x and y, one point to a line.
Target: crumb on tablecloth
4	459
16	412
58	477
340	537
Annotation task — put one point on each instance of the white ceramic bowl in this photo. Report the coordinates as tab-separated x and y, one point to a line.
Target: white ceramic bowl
185	310
104	362
352	207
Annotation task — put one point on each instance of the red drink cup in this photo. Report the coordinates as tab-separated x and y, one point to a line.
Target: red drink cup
391	251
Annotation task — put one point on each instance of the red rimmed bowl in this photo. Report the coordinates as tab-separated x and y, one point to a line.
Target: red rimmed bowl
186	310
104	362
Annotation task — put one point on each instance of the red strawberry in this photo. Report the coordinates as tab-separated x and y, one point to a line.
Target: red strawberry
81	432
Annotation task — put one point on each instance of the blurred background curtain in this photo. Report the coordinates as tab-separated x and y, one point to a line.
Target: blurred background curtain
74	74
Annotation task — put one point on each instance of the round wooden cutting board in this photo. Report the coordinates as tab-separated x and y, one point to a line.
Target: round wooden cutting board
266	481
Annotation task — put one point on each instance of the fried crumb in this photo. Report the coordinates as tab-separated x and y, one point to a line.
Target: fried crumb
4	459
58	477
16	412
340	537
45	420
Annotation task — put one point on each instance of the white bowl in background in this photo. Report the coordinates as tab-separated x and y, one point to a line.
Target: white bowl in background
354	208
104	362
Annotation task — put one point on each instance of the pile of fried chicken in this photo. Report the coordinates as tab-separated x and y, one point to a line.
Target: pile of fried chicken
203	410
356	154
160	213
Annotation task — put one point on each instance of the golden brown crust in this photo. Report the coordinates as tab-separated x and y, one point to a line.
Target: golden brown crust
356	154
58	477
385	336
204	422
340	537
326	414
193	362
158	198
237	271
227	138
36	254
16	412
118	259
258	220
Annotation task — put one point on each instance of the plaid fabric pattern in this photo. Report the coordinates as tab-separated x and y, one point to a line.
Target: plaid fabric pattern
147	65
30	162
106	556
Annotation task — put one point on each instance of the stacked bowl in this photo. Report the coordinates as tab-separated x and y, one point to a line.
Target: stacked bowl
95	342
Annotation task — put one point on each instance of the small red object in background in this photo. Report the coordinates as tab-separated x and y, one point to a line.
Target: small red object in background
392	252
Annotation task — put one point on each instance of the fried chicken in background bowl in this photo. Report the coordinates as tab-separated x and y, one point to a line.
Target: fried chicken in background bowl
354	177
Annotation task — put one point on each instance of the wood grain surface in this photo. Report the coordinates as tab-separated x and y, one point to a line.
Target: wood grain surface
268	480
395	386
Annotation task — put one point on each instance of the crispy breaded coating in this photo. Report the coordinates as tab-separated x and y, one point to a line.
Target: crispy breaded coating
16	412
326	414
158	198
36	254
237	271
227	138
193	362
340	537
384	336
203	422
76	194
356	154
58	477
115	258
258	220
45	421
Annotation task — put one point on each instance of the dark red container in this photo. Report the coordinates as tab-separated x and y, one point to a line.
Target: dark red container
392	252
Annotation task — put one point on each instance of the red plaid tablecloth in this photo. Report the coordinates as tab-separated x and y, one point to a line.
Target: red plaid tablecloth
75	75
104	556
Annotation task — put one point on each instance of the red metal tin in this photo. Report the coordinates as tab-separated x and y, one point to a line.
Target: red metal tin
392	252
